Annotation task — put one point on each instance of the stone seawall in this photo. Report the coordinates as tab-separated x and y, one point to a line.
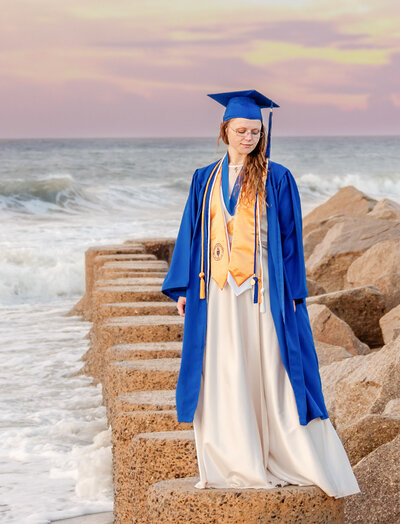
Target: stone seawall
352	248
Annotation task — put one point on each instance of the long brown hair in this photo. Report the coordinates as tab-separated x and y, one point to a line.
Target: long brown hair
253	175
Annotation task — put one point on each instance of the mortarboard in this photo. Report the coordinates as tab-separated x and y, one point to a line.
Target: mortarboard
246	104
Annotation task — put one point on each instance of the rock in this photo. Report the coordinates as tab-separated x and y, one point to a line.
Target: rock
143	351
139	375
390	324
91	254
150	268
104	273
159	456
378	475
331	374
367	434
392	408
178	501
387	209
131	281
314	233
360	307
327	353
153	400
129	309
312	239
127	330
78	309
125	427
162	248
382	259
362	385
347	201
389	286
314	288
343	244
327	327
114	294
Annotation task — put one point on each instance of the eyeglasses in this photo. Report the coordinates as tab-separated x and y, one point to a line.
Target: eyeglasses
255	133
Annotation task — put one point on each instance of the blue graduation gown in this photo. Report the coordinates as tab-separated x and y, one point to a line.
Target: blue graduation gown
287	282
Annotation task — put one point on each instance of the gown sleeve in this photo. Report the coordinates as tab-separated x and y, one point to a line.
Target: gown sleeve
177	280
291	226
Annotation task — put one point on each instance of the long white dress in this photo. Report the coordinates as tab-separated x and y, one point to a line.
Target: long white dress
246	424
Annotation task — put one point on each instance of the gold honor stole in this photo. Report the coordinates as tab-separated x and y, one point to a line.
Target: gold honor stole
241	259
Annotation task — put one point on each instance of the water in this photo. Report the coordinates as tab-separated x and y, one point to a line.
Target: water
57	198
55	449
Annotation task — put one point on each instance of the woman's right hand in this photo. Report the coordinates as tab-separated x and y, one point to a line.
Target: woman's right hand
181	306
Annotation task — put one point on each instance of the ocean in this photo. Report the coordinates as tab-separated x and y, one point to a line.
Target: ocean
58	198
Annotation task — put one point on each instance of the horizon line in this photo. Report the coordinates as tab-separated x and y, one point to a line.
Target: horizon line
128	137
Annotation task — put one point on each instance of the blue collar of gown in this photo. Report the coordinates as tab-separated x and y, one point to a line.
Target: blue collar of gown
230	202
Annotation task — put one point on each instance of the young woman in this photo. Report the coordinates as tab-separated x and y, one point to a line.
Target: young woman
249	377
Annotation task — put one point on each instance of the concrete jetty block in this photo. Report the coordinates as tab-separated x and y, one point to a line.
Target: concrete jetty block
159	456
135	281
112	262
137	293
115	294
111	269
139	375
126	257
95	251
162	248
143	351
96	257
125	427
178	501
138	328
155	400
148	265
126	330
93	260
126	273
129	293
114	385
139	266
128	309
123	261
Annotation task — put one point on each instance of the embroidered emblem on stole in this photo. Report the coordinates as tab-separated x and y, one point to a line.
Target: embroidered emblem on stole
218	252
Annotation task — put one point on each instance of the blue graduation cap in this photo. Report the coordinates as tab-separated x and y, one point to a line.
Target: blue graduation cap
246	104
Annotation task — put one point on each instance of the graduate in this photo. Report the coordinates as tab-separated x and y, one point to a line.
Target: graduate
249	377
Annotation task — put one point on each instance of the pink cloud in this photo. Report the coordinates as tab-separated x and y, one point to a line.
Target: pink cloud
118	77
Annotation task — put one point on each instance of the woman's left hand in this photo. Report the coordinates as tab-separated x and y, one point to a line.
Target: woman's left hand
294	305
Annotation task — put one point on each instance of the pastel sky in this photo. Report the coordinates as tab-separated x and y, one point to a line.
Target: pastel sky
119	68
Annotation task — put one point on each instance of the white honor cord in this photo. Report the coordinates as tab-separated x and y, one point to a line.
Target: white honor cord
262	304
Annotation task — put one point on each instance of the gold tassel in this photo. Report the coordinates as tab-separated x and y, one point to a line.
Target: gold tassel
202	285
